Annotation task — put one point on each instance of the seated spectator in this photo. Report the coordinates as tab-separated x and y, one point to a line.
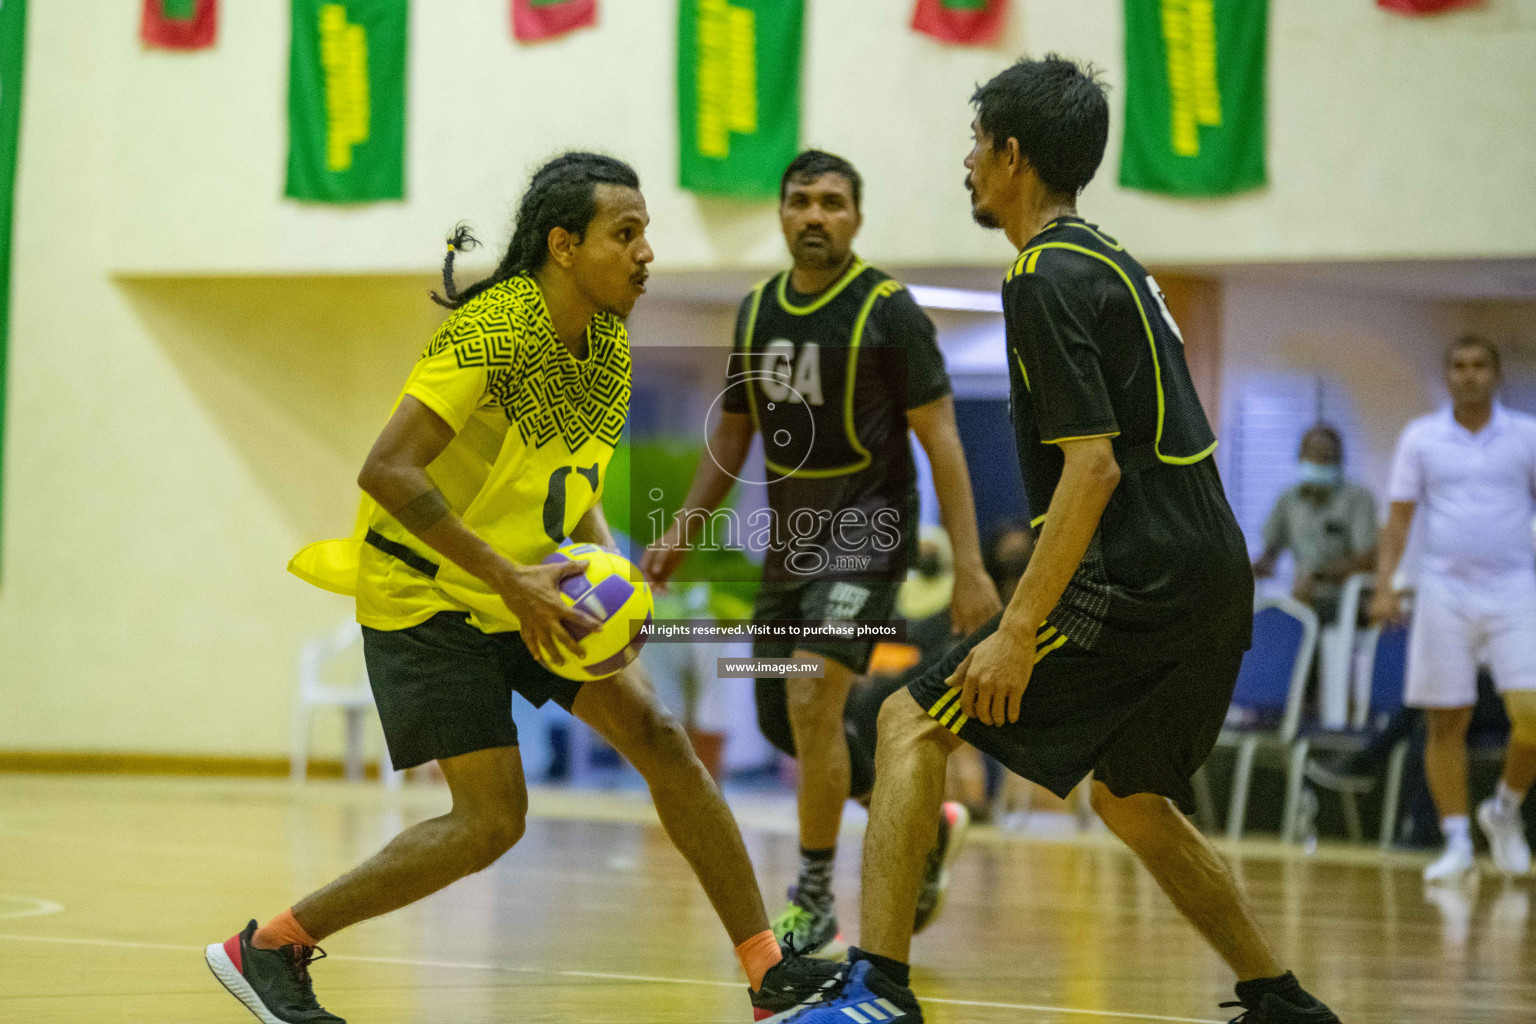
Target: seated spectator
1326	522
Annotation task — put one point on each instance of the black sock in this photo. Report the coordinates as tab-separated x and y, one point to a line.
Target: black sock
895	970
1286	986
815	884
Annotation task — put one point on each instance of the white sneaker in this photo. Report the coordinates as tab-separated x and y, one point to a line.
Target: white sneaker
1453	864
1506	838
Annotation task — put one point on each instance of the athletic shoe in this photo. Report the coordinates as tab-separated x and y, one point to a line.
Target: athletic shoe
954	819
1300	1008
1453	864
865	995
808	930
1506	838
273	984
794	982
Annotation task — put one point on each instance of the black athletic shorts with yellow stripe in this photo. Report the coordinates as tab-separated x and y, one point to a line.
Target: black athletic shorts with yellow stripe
1139	724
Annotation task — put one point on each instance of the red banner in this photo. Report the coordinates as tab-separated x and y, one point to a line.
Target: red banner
1425	6
533	20
967	22
179	24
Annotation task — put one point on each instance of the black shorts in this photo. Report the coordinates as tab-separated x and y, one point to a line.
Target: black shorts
819	601
825	601
1140	725
443	688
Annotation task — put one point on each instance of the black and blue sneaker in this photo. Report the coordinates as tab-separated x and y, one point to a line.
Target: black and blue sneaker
864	995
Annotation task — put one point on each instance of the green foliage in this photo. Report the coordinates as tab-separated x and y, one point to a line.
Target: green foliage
647	482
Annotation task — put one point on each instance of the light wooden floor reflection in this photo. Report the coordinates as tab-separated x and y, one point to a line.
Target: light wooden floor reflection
110	887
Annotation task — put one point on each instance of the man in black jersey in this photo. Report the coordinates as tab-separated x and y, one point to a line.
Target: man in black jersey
833	362
1118	651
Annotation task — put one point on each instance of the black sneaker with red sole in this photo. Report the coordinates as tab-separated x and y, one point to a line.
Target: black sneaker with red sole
273	984
1279	1001
795	981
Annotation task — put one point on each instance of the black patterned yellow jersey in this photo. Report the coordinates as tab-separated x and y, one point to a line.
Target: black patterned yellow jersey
534	430
1094	352
828	380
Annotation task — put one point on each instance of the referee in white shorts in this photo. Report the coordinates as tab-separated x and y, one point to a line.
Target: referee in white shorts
1472	469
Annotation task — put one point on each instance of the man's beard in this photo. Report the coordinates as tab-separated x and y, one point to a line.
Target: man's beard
986	218
822	257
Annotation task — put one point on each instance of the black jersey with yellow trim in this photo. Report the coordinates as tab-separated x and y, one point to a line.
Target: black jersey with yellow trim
828	380
1094	352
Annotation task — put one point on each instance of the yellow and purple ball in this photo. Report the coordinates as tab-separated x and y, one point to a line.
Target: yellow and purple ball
612	591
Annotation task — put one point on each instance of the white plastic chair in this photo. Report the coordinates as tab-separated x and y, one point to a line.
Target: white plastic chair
1337	659
354	698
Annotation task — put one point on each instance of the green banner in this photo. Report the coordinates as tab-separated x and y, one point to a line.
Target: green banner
738	94
13	47
346	101
1194	96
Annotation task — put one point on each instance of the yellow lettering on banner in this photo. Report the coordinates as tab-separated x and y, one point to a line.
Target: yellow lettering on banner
743	70
1202	58
1194	97
344	60
727	76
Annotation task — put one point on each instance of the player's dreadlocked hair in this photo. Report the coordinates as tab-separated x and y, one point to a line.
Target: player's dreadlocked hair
562	194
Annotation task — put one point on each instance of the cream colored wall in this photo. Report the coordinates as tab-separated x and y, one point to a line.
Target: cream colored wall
170	443
173	436
1382	351
1389	136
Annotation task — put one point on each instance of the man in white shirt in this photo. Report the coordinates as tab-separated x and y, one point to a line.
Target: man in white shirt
1472	468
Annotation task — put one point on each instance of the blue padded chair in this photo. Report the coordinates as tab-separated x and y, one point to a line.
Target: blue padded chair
1266	703
1389	675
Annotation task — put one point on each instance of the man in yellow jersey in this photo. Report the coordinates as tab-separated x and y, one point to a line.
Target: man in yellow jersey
1117	653
496	451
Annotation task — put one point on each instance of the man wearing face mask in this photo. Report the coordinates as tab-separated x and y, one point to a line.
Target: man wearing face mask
1327	523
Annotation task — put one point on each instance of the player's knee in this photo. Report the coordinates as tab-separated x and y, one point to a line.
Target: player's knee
903	723
1102	801
491	835
815	707
1140	821
653	736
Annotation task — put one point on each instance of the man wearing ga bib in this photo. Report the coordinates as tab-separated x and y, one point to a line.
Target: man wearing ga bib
833	364
496	452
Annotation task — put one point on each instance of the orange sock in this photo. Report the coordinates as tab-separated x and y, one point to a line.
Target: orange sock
282	930
757	955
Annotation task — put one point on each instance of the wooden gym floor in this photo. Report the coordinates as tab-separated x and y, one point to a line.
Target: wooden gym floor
110	887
